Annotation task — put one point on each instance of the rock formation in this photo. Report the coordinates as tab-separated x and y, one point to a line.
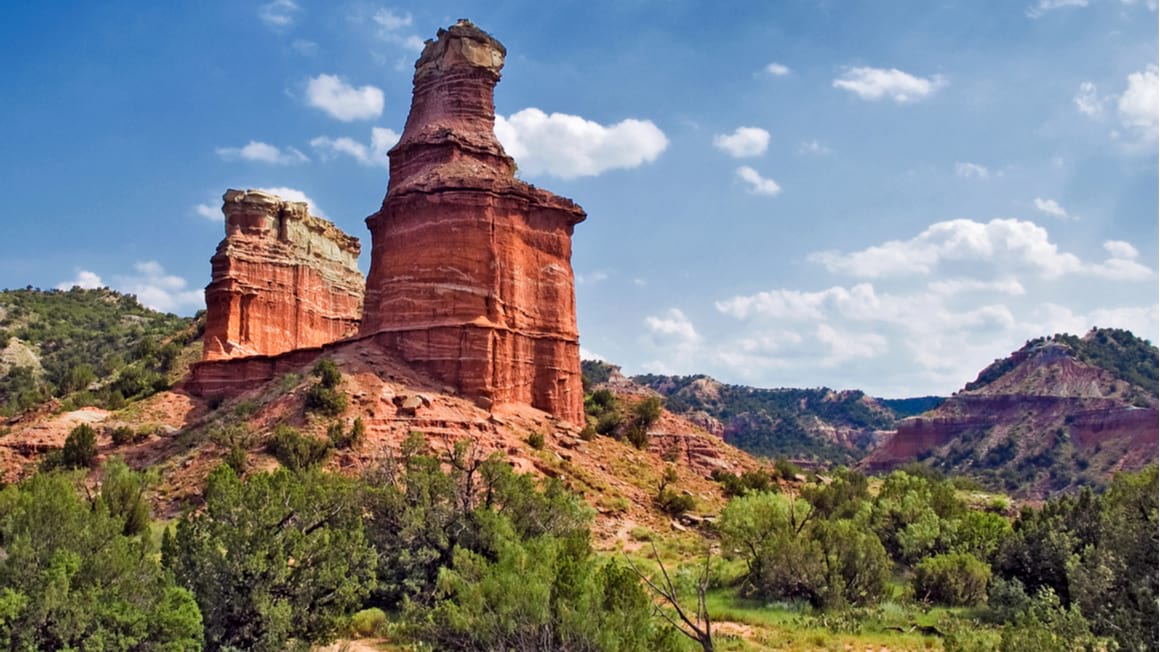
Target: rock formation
471	277
282	280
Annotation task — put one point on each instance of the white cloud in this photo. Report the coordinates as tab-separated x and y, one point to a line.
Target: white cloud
382	140
1001	242
744	142
263	153
84	279
594	277
777	69
158	290
343	101
1050	207
813	147
585	354
896	85
291	194
1139	104
672	325
279	14
390	20
1121	250
209	212
568	146
955	286
972	170
758	184
1088	100
1044	6
847	345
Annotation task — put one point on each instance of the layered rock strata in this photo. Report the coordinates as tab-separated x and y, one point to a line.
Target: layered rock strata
283	280
471	277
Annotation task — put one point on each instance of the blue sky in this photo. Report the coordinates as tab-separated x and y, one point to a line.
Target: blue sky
875	195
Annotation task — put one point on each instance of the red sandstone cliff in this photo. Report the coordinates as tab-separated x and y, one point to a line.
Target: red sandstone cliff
282	280
471	277
1041	418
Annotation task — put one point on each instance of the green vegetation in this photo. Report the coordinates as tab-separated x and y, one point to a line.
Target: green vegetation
775	422
325	397
76	574
80	448
297	451
94	347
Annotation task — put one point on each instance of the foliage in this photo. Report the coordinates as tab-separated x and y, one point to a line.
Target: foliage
542	593
123	496
237	439
278	558
80	447
595	372
955	579
122	435
420	507
1046	626
536	440
369	622
99	344
71	579
297	451
916	517
603	411
341	438
325	397
745	482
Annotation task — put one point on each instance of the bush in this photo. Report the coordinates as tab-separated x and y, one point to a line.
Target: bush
369	622
237	440
122	435
536	440
674	503
342	438
297	560
296	451
80	447
327	373
956	579
325	400
73	581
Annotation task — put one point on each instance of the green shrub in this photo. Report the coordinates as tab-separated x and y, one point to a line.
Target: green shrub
237	440
297	451
369	622
588	432
536	440
122	435
325	400
674	503
342	438
327	373
957	579
637	435
80	447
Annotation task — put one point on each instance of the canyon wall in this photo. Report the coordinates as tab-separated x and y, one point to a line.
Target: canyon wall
282	280
471	277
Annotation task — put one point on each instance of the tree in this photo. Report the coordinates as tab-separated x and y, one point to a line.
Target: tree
955	579
80	447
277	558
697	626
71	579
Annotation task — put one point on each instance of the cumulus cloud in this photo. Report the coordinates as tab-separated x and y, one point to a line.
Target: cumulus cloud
777	70
744	142
1138	105
391	25
1121	250
847	345
672	325
893	84
1088	100
343	101
758	184
279	14
84	279
972	171
159	290
1000	242
291	194
1045	6
375	154
813	147
568	146
1050	207
585	354
260	152
209	212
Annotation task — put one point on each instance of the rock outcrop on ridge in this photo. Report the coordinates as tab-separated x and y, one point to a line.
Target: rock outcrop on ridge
471	278
283	280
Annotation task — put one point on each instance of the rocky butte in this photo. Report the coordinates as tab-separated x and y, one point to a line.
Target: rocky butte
283	279
470	280
471	277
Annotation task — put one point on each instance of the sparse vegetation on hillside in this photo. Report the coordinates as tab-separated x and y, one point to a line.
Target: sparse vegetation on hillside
92	347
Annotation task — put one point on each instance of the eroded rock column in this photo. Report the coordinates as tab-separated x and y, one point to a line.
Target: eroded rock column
471	276
282	280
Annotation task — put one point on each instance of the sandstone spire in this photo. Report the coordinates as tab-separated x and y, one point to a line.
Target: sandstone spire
471	276
282	280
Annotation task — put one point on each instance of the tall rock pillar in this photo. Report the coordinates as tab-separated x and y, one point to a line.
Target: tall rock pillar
471	276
